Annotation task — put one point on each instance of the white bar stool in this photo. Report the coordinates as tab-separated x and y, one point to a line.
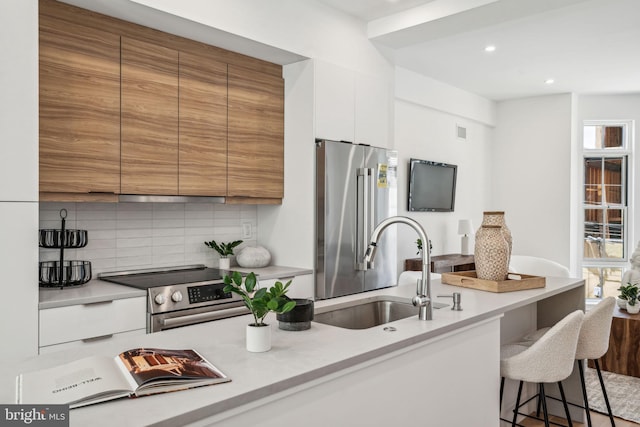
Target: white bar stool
548	360
593	343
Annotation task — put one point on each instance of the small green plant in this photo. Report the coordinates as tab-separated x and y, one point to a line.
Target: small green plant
419	244
263	300
629	293
224	249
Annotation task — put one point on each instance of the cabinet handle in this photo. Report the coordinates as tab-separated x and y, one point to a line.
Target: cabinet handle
98	303
101	337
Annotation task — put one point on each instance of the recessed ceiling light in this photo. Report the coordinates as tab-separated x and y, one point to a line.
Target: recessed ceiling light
549	81
489	48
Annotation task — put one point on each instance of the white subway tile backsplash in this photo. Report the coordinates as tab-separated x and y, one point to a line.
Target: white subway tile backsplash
126	236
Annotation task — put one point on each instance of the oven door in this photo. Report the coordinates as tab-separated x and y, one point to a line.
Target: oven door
175	319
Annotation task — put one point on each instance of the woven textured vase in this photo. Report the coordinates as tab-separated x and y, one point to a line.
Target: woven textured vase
497	218
491	253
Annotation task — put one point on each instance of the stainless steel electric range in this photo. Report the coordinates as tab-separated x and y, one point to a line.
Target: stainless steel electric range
181	296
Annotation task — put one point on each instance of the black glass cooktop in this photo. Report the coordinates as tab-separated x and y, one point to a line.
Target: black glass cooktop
167	278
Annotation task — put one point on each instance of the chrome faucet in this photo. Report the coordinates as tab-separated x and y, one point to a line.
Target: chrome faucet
423	288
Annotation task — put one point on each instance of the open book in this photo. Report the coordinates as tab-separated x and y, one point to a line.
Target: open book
136	372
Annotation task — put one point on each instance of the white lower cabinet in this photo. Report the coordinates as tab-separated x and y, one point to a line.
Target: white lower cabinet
64	327
301	286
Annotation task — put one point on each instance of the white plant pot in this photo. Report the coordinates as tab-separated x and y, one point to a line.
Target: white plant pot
622	303
633	309
258	338
224	263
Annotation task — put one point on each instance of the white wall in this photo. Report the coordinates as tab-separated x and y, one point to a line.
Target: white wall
19	177
614	107
425	128
531	173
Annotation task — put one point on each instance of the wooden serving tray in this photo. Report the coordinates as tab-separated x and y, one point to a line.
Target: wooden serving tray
468	279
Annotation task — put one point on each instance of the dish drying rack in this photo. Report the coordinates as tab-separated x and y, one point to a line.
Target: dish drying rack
63	273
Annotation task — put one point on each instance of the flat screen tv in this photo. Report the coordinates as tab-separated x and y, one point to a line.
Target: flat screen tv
432	186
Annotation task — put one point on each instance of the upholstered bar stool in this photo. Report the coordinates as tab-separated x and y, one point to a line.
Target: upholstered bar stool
548	360
593	343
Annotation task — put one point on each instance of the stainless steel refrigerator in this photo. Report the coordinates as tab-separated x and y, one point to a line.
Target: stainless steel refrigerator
355	190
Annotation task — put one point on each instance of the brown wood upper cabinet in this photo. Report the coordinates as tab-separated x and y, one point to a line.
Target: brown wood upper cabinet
202	166
79	109
149	118
125	109
256	134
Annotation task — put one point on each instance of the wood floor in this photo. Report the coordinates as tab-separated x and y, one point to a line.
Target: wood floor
597	420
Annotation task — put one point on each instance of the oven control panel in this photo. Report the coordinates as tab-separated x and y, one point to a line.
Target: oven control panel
205	293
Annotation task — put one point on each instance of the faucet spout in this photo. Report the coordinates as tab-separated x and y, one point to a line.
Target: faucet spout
423	288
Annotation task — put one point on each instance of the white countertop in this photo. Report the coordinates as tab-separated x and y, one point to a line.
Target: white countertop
97	290
295	358
93	291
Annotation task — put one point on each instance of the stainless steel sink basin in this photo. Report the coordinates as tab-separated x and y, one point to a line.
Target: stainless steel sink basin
367	313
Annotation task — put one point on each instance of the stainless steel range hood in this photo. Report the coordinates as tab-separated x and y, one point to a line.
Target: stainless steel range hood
139	198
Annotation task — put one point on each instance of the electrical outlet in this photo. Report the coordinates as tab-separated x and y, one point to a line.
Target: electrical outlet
246	230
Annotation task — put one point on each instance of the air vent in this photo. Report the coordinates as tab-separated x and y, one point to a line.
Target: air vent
461	132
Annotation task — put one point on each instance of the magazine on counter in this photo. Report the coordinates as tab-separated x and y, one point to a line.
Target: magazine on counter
133	373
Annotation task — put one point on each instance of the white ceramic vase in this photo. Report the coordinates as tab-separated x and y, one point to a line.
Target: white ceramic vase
224	263
622	303
253	257
258	338
633	309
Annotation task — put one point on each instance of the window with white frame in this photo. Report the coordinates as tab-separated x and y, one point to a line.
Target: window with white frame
606	159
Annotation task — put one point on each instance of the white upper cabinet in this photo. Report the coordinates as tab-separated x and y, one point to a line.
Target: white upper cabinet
351	106
334	102
373	111
19	101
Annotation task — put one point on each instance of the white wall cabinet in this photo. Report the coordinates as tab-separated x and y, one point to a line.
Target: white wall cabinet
335	102
351	106
90	322
19	266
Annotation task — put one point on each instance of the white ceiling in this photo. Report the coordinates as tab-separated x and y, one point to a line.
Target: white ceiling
586	46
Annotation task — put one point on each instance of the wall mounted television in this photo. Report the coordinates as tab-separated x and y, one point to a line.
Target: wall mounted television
432	186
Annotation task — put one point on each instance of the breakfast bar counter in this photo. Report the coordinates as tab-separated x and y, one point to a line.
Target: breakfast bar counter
396	373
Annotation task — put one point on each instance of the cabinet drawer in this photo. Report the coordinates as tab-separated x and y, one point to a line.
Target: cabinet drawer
84	321
90	341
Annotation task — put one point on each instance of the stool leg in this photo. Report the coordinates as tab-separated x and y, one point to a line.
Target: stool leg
564	403
584	392
515	410
501	392
538	407
543	397
604	393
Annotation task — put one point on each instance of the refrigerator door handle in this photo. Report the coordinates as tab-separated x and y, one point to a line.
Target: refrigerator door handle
362	217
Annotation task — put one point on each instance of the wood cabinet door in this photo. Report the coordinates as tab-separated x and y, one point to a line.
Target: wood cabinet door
149	118
202	166
79	109
256	134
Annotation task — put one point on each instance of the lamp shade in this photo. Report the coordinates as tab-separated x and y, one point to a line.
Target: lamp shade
465	226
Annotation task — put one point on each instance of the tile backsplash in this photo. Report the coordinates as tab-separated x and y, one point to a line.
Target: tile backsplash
127	236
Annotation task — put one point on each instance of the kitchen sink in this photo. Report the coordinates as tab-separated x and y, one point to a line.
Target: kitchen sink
369	312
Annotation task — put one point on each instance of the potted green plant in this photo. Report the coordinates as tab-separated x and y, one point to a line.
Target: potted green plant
260	301
632	299
626	293
225	250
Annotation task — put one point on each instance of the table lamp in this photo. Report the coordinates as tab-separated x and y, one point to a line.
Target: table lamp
465	228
